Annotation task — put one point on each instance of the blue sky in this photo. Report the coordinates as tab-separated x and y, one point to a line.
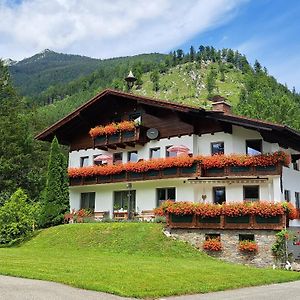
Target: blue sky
267	30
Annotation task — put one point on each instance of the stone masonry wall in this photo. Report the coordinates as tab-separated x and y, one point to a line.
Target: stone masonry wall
230	242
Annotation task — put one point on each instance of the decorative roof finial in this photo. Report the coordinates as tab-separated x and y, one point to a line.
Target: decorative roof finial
130	79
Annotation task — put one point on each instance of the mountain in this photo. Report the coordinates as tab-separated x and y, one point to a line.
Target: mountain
36	74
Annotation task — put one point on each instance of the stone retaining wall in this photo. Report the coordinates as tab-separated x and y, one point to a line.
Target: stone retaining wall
230	242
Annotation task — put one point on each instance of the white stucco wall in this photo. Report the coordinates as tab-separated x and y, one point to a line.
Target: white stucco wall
291	182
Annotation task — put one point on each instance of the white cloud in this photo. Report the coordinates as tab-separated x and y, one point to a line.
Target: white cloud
106	28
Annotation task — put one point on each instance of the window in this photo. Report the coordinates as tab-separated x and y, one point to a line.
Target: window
246	237
212	236
84	161
136	117
219	195
170	154
121	199
87	200
287	195
164	194
132	156
217	148
97	163
253	147
117	158
154	153
297	200
251	193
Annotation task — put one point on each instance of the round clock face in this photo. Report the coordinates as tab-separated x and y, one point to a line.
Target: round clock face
152	133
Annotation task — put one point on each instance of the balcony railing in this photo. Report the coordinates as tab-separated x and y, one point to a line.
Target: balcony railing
224	222
226	167
121	139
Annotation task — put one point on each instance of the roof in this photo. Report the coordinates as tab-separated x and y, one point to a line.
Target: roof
100	96
267	129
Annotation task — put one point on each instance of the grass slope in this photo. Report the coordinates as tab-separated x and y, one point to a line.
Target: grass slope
187	84
128	259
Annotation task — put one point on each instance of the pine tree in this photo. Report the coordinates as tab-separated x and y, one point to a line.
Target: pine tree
55	202
192	54
154	77
210	82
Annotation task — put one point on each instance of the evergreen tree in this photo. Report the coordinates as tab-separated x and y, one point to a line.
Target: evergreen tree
55	201
211	82
222	71
192	54
154	77
257	67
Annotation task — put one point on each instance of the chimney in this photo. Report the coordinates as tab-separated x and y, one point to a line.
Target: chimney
219	104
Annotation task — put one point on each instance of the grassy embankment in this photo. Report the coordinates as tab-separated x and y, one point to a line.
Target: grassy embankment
128	259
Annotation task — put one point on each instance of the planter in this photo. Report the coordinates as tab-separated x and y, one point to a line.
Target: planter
170	171
212	220
76	181
135	175
152	173
215	171
119	176
128	134
189	170
100	140
103	178
239	169
90	180
269	220
114	138
181	218
265	169
238	220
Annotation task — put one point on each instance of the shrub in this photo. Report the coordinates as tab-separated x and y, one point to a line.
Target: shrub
17	218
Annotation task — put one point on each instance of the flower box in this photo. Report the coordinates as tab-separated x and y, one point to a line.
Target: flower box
135	175
100	140
170	171
210	219
238	220
114	138
189	170
103	178
265	168
215	171
182	218
119	176
152	173
90	180
128	134
239	169
76	181
268	220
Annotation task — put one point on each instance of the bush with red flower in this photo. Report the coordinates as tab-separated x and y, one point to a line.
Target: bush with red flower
248	246
112	128
237	209
212	244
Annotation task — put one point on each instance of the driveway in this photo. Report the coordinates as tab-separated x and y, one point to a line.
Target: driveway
13	288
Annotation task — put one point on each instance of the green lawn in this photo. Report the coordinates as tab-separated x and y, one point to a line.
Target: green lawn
129	259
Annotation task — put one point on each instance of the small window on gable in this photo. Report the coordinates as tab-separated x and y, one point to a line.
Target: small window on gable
136	117
154	153
170	154
117	158
84	161
287	195
217	148
213	236
253	147
251	193
246	237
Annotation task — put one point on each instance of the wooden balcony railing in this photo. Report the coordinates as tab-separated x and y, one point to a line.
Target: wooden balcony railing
122	139
224	222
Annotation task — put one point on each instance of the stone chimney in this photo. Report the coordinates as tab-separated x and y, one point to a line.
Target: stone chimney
219	104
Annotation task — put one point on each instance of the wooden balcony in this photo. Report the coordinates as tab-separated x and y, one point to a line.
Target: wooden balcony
122	139
236	171
173	172
225	222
